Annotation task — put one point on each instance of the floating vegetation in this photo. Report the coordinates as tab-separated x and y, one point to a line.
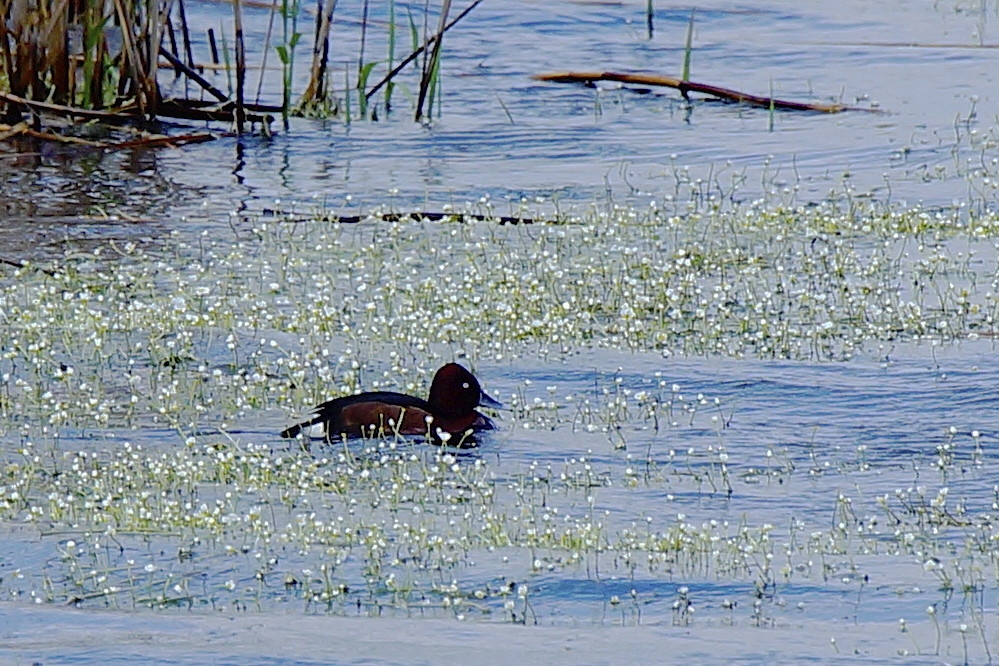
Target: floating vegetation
260	317
275	321
127	368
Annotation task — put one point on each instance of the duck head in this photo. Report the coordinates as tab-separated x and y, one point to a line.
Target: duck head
455	392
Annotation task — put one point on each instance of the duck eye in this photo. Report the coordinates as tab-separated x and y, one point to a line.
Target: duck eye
464	385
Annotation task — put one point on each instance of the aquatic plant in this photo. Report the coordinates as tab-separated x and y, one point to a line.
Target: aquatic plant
687	51
127	367
114	64
807	283
40	63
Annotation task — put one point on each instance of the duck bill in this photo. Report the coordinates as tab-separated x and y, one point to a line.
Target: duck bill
485	400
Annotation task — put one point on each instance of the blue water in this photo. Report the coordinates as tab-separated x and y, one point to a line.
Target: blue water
502	135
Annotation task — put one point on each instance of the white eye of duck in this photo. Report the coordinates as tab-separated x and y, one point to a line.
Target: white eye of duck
464	385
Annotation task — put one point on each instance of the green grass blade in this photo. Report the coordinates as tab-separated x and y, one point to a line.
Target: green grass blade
688	48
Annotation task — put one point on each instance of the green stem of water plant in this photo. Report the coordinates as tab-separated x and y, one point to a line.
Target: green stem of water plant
346	92
226	60
391	54
286	52
434	91
362	69
771	114
685	73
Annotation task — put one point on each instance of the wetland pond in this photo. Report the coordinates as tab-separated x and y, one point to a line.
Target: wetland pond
748	361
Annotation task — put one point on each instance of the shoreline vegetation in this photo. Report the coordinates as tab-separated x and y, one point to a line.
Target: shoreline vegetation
100	60
103	61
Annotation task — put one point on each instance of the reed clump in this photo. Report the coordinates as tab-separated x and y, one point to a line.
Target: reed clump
94	54
77	58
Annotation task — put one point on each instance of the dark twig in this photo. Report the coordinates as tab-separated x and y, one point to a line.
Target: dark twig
20	264
415	54
194	76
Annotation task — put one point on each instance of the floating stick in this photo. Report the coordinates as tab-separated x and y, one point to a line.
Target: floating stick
692	86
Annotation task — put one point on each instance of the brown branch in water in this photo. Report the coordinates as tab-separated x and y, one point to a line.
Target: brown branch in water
60	138
8	131
61	110
907	45
692	86
158	140
194	110
22	129
171	108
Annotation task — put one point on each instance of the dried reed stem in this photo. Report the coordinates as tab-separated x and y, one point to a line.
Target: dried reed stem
429	76
237	13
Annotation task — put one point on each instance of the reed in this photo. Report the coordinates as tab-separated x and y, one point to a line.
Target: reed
363	69
91	55
37	59
391	54
113	63
431	67
237	14
141	33
213	46
771	108
687	48
267	50
418	51
316	92
185	32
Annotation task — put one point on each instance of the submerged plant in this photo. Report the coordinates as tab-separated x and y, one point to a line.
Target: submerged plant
286	51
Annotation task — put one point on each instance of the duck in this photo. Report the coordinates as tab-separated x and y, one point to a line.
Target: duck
447	416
